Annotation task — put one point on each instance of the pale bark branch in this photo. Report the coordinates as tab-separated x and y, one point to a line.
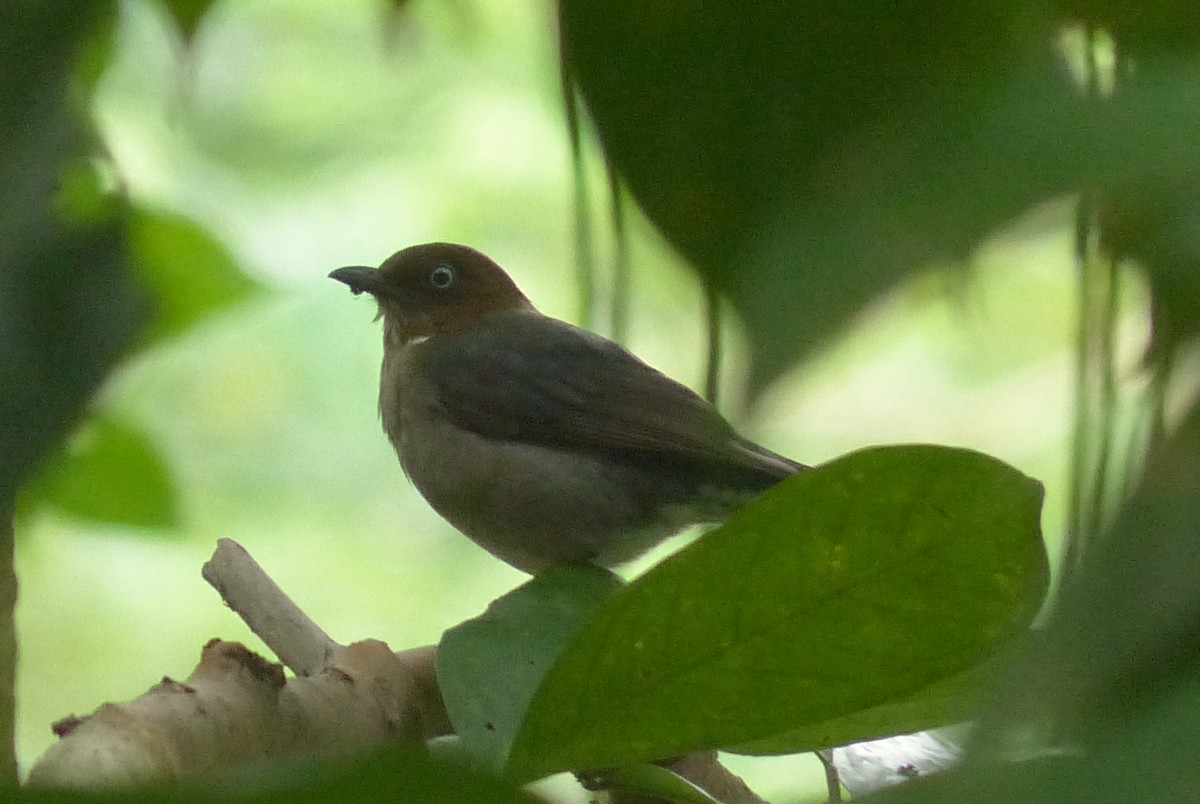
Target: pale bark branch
237	708
301	644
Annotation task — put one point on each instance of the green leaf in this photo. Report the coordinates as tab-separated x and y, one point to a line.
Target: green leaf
189	273
188	14
649	782
1123	632
109	472
490	667
66	309
398	774
951	700
849	587
805	157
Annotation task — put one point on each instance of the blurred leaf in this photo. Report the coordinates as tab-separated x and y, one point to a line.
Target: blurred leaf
1150	757
397	774
189	273
110	472
806	156
644	782
188	14
1128	630
66	310
490	667
826	596
1144	28
1155	220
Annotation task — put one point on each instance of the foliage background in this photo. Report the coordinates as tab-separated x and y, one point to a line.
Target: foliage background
264	415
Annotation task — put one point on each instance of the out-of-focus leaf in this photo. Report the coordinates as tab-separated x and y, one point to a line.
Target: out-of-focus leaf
490	667
1156	221
1145	28
650	783
188	14
110	472
1149	756
392	774
1128	629
397	774
66	310
805	156
845	588
188	272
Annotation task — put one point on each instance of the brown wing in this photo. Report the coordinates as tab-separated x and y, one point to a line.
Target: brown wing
529	378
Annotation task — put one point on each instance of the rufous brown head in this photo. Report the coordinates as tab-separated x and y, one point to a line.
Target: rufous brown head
434	288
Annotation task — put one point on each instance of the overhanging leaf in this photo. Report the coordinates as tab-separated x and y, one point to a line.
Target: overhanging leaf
806	156
852	586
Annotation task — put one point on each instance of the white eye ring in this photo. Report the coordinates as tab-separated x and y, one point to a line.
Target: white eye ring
441	277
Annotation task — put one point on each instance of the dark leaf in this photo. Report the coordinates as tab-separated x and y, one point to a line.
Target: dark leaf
1150	756
66	309
805	156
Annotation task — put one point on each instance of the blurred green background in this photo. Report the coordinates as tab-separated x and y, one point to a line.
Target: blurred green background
305	138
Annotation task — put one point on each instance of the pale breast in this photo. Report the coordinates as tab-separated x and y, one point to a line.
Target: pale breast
529	505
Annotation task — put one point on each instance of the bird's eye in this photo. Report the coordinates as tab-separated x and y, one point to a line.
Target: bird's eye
441	277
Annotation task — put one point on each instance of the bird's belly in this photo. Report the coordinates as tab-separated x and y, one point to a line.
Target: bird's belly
534	506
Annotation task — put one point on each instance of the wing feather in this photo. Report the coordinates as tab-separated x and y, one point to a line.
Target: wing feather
526	377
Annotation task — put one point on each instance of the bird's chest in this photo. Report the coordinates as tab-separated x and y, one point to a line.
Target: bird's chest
441	460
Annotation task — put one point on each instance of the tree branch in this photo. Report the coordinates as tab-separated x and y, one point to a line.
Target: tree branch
237	708
301	644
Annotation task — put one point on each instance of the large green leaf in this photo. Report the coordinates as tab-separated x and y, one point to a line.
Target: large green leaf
109	472
850	587
805	156
947	701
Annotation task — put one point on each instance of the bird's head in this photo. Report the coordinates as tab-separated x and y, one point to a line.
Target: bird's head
434	288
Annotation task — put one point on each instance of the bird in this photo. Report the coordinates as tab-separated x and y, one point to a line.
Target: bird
542	442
